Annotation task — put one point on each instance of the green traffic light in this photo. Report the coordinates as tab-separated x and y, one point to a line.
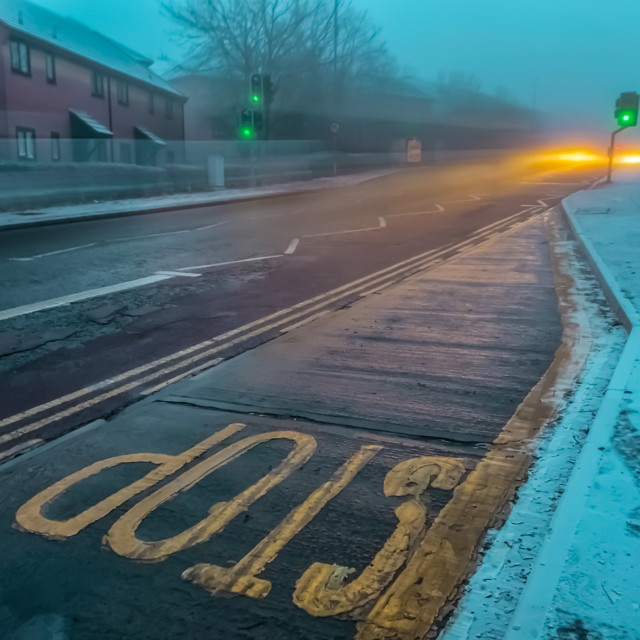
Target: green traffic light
628	117
246	132
255	98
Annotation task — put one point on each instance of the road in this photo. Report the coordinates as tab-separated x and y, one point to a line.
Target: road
182	278
315	442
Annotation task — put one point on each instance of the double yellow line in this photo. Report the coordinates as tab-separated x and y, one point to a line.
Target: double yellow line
203	354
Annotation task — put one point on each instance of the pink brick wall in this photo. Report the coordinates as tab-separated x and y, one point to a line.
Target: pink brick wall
30	101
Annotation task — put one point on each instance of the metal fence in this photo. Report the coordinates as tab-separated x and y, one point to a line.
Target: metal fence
46	172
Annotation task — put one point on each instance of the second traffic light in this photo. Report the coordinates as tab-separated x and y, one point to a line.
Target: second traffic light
627	109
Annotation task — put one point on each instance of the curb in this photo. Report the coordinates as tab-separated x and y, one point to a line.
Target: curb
139	212
178	207
536	601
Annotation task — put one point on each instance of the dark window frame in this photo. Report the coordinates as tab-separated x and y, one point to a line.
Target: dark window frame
25	131
152	105
51	77
23	47
122	91
97	90
168	109
56	151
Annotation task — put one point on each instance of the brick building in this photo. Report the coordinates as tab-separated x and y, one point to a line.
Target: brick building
68	93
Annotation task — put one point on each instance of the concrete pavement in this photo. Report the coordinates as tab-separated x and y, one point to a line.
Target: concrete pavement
334	483
580	579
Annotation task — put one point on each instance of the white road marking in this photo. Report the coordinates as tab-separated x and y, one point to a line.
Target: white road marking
159	276
293	245
83	295
543	203
53	253
214	345
293	213
361	200
381	225
224	264
438	209
471	198
178	274
115	240
167	233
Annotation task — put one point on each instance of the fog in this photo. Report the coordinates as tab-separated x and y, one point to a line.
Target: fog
566	58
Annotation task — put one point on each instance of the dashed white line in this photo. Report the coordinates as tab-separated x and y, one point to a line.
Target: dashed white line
381	225
178	274
471	198
53	253
123	239
168	233
224	264
293	245
438	209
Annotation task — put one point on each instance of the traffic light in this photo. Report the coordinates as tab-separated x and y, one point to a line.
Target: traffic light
247	130
627	109
257	90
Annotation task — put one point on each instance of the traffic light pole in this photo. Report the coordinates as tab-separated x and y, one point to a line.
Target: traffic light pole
611	147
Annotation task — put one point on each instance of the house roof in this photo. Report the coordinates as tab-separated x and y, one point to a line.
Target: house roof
72	36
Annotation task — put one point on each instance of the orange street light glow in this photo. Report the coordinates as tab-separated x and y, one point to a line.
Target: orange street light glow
578	156
629	158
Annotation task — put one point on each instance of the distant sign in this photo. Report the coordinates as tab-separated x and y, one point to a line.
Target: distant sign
335	127
414	151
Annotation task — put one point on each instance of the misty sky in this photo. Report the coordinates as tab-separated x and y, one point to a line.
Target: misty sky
569	57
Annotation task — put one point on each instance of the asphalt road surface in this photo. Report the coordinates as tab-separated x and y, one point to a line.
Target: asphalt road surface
316	440
86	303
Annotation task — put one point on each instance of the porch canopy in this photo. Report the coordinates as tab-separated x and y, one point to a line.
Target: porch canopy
84	126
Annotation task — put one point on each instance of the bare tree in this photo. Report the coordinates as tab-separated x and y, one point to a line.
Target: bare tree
308	46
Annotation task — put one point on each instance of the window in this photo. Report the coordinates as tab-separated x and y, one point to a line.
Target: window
20	58
123	93
55	146
97	84
26	143
125	153
168	109
152	106
50	63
